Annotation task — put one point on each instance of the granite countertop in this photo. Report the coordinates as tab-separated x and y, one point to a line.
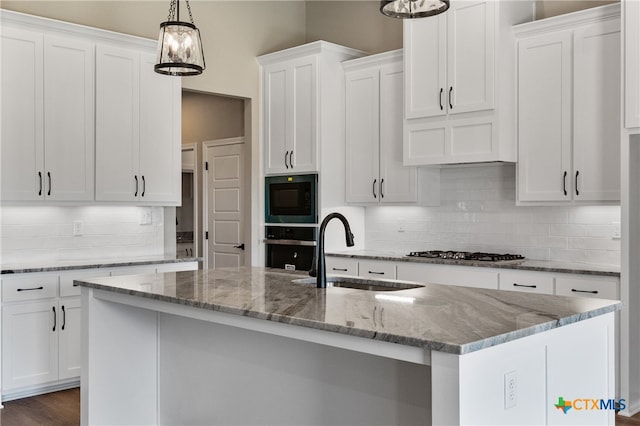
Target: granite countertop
526	264
442	318
91	264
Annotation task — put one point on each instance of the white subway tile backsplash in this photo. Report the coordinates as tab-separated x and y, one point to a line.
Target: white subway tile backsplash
478	212
45	234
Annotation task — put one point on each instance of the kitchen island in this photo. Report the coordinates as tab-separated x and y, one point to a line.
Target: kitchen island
250	346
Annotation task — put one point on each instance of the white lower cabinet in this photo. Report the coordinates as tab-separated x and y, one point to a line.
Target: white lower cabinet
526	281
341	266
587	286
377	269
41	327
30	344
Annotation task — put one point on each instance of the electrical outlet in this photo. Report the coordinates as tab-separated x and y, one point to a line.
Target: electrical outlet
145	216
401	225
616	231
77	228
510	389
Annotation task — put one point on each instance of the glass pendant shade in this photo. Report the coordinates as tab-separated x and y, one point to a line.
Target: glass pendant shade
179	46
409	9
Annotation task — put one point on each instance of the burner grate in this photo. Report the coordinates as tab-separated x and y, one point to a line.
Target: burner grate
465	255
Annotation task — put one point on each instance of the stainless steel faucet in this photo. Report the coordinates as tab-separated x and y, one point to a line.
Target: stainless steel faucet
318	268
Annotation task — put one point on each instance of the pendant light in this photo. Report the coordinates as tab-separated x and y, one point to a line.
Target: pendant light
409	9
179	45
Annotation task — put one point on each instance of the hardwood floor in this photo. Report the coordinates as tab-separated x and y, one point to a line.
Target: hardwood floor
53	409
63	409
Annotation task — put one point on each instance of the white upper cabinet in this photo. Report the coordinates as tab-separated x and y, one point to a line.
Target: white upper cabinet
631	13
458	90
137	129
47	117
568	110
374	97
449	61
290	114
295	112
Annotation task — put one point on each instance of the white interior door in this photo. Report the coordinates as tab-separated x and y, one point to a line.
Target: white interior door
224	192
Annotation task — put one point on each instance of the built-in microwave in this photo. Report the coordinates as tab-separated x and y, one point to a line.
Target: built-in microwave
291	199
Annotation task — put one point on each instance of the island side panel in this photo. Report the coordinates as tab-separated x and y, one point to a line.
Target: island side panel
219	374
575	361
119	363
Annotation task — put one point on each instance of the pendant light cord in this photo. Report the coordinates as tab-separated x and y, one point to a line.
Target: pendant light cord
173	6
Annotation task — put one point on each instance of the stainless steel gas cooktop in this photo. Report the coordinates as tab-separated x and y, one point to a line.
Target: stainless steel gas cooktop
466	255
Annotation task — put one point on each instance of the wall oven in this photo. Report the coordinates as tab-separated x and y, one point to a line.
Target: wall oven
291	199
290	248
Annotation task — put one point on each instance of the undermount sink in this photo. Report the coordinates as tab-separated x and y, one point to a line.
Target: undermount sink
362	283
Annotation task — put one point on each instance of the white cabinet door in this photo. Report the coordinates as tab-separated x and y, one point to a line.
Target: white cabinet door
29	344
22	115
160	119
631	63
304	104
70	348
290	114
596	112
425	65
377	269
398	183
544	117
362	135
341	266
69	118
117	126
449	61
470	56
275	119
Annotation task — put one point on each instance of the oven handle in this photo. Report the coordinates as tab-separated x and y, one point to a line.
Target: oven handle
291	242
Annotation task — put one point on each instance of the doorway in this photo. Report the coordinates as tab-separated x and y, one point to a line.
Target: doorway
224	203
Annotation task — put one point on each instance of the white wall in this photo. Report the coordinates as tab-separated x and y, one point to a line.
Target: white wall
478	212
43	234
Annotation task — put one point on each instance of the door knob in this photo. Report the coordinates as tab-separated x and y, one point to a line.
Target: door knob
241	246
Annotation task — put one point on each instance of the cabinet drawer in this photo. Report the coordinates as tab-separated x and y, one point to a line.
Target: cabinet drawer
342	266
66	280
529	282
377	270
133	270
177	267
38	286
587	287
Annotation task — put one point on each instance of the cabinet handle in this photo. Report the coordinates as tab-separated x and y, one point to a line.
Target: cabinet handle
376	273
55	318
381	186
291	159
564	183
450	103
524	285
577	173
31	289
136	178
64	318
40	178
373	189
584	291
375	308
441	92
144	186
340	269
285	159
186	251
49	176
